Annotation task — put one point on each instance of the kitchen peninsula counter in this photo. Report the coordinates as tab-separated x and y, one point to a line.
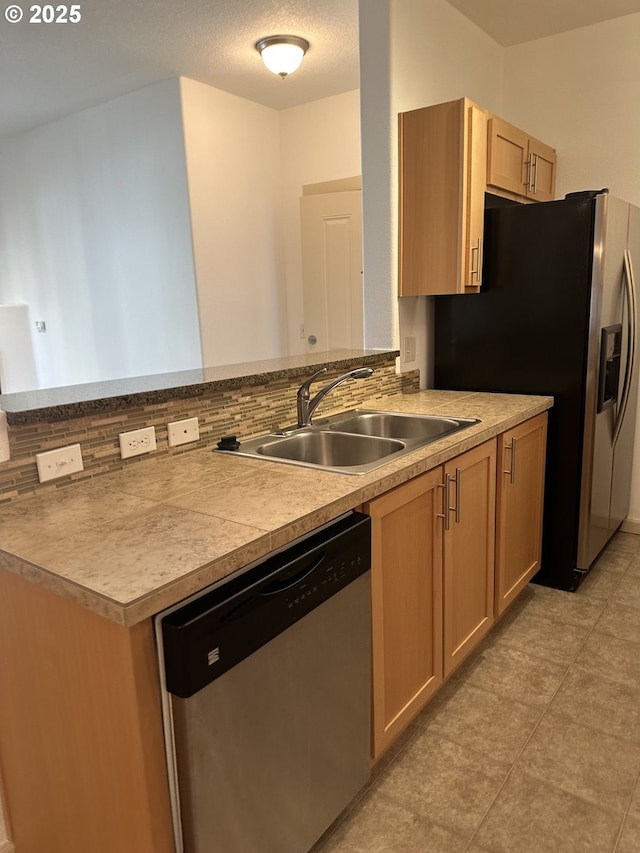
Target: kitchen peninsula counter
129	544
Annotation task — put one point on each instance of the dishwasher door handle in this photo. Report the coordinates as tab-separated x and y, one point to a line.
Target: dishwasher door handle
281	586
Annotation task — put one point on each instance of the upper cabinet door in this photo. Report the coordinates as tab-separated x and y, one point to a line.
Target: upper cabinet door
475	166
449	156
542	171
442	158
519	164
507	156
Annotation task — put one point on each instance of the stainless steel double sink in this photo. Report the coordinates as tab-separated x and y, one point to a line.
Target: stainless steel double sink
352	442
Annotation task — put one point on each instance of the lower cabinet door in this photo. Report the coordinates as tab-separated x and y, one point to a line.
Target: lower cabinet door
469	549
521	464
406	587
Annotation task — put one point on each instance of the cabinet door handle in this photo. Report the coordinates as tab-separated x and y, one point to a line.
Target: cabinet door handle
512	472
445	500
534	169
475	271
532	174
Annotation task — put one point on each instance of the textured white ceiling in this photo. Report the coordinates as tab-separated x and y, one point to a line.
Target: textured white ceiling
512	22
51	70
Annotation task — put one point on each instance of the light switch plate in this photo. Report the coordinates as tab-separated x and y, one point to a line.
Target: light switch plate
182	432
409	349
59	462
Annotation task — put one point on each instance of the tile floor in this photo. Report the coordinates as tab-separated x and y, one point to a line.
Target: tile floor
533	746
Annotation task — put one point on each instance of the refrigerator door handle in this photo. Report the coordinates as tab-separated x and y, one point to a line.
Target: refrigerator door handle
630	297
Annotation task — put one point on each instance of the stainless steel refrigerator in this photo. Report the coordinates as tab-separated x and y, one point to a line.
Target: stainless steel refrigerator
558	315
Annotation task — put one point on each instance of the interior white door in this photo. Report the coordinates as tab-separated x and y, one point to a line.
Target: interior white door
331	237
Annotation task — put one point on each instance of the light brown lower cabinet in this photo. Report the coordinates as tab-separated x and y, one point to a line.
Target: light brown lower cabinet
406	590
469	537
451	550
521	462
432	584
81	742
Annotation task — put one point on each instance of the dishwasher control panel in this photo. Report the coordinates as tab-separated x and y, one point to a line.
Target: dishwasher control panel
209	635
331	577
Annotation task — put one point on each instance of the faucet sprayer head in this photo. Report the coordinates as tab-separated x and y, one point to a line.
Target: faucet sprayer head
307	407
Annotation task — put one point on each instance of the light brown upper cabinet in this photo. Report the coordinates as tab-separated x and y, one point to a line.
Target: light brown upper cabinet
449	155
443	176
518	164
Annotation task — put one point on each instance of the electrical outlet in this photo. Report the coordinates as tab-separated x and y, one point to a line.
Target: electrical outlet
137	441
409	349
59	462
182	432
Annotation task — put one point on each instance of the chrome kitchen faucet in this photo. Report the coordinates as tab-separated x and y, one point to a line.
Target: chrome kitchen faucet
307	406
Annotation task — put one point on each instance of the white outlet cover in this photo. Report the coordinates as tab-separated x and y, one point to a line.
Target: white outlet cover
183	432
59	462
137	441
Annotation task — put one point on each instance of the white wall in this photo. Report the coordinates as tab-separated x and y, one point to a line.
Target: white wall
380	305
94	225
233	165
437	55
17	362
320	141
433	54
246	167
580	91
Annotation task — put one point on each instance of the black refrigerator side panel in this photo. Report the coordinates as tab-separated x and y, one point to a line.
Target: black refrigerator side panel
526	332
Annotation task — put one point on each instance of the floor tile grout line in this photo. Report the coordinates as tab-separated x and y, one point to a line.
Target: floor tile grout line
626	813
517	758
539	720
368	788
570	664
375	782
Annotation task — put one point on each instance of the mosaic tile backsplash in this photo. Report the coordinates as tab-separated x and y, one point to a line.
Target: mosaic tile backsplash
245	411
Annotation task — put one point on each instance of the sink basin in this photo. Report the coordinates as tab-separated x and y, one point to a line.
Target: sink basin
353	442
330	449
396	425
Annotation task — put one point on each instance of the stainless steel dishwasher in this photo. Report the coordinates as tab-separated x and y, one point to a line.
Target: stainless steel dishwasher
267	692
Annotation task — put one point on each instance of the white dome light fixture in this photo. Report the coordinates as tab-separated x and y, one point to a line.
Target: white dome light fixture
282	54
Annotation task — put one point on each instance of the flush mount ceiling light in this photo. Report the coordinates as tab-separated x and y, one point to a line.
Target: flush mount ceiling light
282	54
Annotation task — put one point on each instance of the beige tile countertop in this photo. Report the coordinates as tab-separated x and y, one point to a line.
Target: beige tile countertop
128	544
